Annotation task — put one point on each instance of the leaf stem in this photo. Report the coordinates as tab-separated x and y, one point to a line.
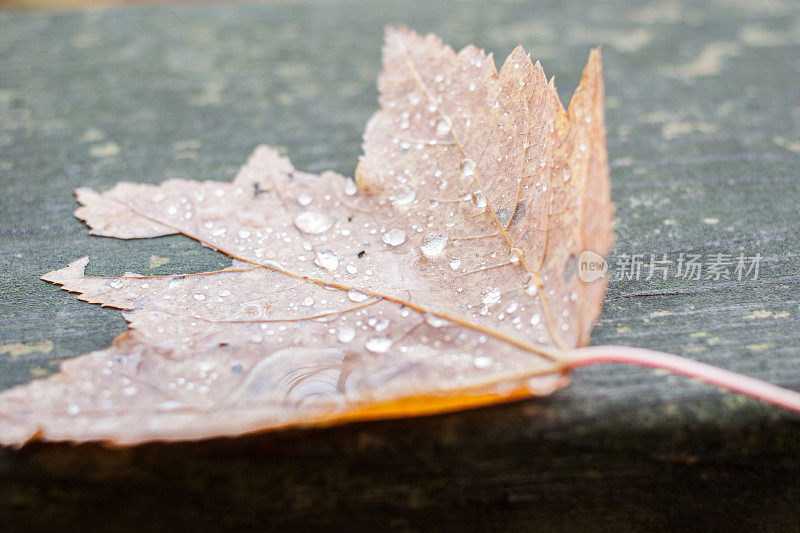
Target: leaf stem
755	388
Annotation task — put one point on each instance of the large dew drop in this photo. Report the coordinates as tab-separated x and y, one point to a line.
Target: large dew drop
394	237
305	199
403	195
531	288
313	222
435	321
467	168
327	259
356	296
378	344
482	361
350	188
433	245
346	334
491	297
479	198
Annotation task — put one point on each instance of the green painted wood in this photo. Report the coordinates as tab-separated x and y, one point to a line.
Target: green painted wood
703	133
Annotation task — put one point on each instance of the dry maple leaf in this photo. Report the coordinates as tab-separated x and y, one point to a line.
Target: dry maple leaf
447	278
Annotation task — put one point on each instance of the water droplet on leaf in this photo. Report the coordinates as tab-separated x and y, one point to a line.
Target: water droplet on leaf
378	344
313	222
346	334
482	362
404	195
433	245
327	259
491	297
356	296
435	321
394	237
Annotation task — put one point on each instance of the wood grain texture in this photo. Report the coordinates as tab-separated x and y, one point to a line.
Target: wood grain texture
703	119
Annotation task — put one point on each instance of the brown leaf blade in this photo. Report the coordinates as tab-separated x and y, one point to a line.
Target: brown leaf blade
449	281
517	186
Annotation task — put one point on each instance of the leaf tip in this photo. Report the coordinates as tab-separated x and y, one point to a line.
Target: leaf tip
73	270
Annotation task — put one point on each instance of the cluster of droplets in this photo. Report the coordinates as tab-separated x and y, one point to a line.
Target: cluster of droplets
434	243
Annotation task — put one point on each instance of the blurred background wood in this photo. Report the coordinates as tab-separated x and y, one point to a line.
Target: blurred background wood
93	4
703	109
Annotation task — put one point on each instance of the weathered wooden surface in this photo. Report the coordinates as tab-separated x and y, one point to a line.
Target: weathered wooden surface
704	138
